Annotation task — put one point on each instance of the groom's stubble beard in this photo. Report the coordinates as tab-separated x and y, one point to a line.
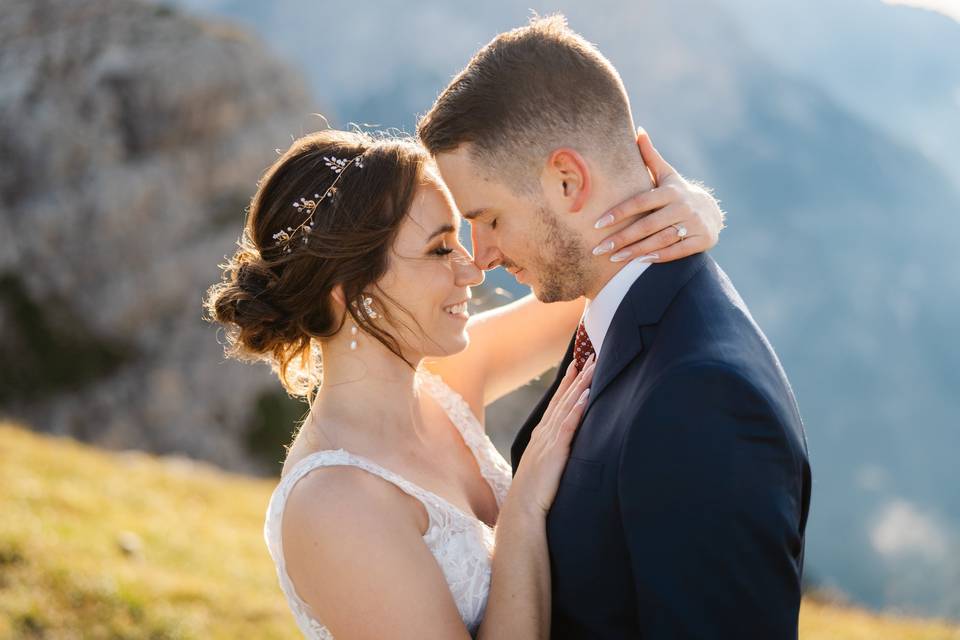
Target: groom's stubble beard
563	272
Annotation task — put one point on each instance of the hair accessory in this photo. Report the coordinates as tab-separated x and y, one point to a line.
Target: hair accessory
337	165
367	302
285	237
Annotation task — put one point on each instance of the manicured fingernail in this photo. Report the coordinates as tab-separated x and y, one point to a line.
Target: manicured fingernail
605	221
650	257
603	248
583	396
620	257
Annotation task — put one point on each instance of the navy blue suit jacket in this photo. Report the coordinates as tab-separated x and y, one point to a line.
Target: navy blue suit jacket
681	512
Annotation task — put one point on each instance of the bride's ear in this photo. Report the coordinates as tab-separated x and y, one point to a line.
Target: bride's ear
566	180
338	299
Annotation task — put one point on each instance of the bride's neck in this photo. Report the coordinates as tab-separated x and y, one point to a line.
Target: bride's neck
369	391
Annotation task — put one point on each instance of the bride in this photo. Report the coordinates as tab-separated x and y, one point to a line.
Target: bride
395	516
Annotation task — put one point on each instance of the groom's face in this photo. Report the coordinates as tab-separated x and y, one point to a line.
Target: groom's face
519	232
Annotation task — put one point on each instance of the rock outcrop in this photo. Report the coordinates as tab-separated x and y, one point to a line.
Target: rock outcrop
131	139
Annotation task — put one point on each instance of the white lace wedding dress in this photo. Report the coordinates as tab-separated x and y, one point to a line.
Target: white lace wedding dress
461	544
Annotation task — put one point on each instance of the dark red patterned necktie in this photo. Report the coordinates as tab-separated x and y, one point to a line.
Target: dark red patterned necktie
582	347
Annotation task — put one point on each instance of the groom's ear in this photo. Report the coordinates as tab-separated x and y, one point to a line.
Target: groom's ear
566	180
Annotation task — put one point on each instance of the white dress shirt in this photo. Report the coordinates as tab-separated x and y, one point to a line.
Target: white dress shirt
599	312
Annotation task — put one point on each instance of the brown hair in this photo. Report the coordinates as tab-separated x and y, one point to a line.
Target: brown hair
274	303
527	92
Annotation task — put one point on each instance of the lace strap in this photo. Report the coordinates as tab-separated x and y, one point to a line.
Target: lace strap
493	467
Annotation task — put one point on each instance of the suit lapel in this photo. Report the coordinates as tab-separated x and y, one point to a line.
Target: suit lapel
644	305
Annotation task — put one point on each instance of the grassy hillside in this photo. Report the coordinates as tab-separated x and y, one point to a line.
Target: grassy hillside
104	545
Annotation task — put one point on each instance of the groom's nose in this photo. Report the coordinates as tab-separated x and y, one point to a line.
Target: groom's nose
486	254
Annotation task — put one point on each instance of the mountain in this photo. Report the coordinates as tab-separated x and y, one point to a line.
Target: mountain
896	66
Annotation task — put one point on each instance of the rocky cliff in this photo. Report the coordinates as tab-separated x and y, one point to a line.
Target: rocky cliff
131	139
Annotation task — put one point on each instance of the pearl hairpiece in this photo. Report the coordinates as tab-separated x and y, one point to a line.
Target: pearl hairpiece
284	237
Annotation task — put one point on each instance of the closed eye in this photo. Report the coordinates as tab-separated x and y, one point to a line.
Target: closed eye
442	251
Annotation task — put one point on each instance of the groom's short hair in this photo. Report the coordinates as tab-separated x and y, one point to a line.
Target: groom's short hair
527	92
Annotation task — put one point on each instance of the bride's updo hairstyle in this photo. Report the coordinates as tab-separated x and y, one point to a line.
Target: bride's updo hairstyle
275	295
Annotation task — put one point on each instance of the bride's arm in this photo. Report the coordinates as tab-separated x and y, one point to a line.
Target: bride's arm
509	346
515	343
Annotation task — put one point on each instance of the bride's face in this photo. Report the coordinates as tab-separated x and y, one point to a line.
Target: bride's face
430	276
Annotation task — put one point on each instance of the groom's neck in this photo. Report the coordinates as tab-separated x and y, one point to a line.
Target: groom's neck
603	277
615	189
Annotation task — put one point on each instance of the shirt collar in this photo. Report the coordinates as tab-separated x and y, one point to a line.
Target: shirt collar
599	312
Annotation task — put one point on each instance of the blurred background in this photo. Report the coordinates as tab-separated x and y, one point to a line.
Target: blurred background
132	135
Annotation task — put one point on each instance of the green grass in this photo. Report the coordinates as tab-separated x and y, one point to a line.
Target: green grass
201	570
130	546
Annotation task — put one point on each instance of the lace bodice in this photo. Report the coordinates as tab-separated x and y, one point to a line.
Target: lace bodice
461	544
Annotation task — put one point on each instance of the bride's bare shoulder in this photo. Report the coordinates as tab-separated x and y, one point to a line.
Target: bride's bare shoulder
329	502
349	538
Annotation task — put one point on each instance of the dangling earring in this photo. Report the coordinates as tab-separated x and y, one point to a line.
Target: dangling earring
353	341
370	313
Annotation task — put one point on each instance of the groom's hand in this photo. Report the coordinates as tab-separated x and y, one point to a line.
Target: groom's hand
661	212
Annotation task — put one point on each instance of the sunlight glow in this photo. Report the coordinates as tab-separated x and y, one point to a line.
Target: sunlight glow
949	8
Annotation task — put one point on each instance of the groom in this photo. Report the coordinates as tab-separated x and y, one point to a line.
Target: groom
682	510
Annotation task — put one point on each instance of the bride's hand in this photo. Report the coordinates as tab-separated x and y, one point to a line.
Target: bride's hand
538	474
672	201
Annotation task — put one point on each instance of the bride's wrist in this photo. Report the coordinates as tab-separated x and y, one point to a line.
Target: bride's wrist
522	514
